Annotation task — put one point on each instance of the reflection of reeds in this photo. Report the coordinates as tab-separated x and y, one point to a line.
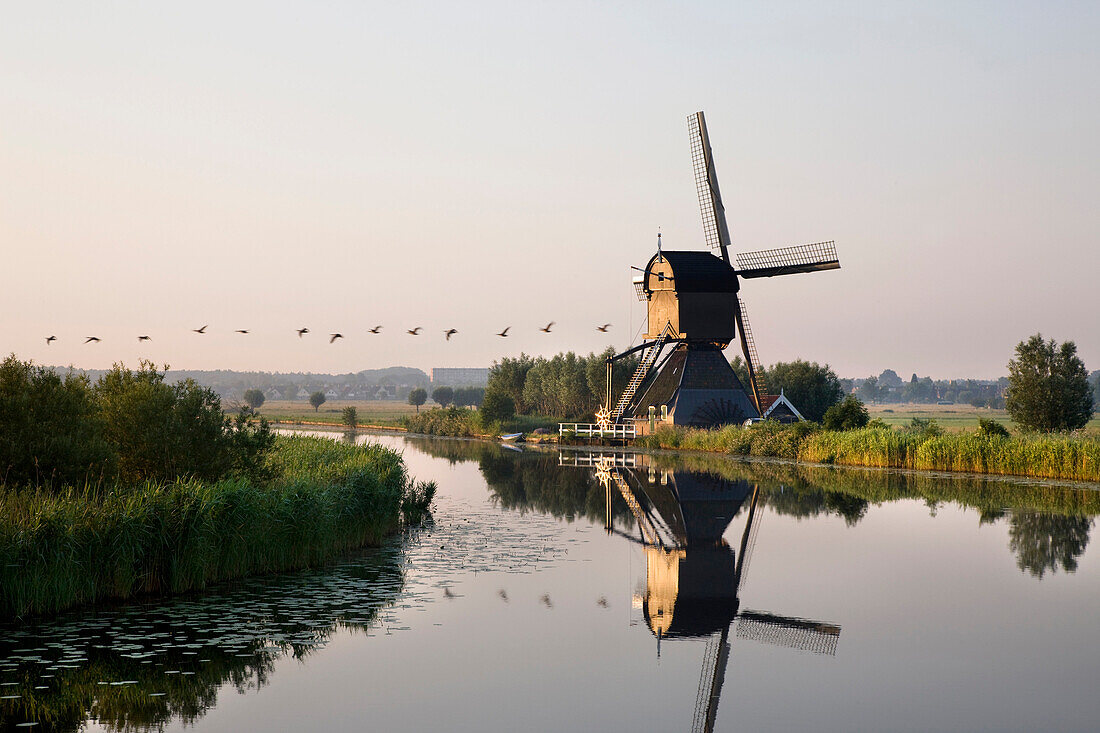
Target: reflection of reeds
233	636
67	548
1042	456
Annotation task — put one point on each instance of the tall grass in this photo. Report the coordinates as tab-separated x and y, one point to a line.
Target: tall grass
61	549
1069	457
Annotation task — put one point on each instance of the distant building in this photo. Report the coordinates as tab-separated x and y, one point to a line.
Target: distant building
460	377
779	408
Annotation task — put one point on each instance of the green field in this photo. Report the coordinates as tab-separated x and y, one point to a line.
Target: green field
370	412
952	418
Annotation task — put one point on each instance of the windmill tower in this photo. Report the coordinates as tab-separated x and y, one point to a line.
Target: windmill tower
693	305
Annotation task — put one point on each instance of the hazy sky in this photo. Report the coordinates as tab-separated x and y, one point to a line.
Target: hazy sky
340	165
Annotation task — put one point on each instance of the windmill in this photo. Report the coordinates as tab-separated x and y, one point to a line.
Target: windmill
693	577
693	302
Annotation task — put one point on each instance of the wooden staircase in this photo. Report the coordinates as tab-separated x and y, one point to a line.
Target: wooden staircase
647	362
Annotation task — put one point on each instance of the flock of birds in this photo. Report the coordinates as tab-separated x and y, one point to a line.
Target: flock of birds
333	336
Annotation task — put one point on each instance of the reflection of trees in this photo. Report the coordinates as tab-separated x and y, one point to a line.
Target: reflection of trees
535	481
143	666
1042	542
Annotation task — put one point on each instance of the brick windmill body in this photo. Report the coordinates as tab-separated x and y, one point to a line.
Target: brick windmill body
693	306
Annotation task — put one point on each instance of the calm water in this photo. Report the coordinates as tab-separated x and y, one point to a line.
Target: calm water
714	593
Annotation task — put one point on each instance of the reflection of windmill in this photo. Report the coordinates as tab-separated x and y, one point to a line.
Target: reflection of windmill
693	302
694	578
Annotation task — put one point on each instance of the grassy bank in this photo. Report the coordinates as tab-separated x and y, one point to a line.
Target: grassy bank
462	422
1042	456
65	548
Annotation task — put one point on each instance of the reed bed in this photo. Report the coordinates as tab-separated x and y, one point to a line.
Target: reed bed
1067	457
65	548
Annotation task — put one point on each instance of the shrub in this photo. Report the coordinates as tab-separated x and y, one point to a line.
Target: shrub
50	430
991	428
255	398
923	427
164	432
350	417
848	414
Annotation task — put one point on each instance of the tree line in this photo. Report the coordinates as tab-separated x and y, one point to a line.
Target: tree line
128	426
567	385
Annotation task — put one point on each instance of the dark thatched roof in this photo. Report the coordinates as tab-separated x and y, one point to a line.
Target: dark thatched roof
700	272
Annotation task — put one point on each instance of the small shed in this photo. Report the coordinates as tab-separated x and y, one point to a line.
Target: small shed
779	408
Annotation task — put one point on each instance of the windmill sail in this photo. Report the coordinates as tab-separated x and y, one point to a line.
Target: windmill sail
706	185
796	633
788	260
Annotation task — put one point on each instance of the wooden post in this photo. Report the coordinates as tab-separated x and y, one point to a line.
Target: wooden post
608	403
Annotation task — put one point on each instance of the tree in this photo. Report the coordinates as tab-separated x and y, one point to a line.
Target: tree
848	414
469	396
51	432
509	377
254	398
350	417
812	388
1048	386
497	406
889	379
316	399
443	395
418	397
869	390
165	431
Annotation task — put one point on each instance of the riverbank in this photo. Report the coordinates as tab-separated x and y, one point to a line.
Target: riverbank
60	549
1066	457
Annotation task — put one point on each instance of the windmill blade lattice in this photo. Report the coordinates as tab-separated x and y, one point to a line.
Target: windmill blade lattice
796	633
715	231
788	260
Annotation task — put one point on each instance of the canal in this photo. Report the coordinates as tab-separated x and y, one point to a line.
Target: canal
571	591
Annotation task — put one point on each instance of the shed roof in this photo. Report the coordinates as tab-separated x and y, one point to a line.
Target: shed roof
699	272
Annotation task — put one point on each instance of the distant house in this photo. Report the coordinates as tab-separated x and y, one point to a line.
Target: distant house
303	394
273	394
331	394
779	408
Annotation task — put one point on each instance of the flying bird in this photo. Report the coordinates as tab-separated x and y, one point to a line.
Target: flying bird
242	330
414	331
376	329
504	332
302	331
145	338
548	327
92	339
199	330
49	339
335	336
603	328
450	332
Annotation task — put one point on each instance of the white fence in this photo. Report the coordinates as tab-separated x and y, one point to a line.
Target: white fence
591	430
